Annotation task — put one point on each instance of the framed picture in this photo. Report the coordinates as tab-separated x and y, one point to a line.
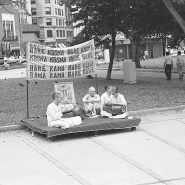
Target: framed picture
68	96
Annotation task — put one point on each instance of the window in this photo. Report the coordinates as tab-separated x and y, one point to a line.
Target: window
8	28
33	2
49	22
55	11
60	22
34	20
56	22
33	11
55	1
47	1
60	33
49	33
62	12
59	11
64	33
63	23
48	10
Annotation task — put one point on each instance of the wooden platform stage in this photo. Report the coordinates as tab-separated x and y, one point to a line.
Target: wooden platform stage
88	124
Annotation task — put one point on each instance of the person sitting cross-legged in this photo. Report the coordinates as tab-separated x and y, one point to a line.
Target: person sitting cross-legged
113	103
91	102
106	102
54	114
117	99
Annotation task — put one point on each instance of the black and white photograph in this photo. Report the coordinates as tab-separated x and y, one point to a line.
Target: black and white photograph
92	92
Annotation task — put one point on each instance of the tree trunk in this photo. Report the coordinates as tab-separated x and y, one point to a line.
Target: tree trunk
175	14
135	52
111	57
164	46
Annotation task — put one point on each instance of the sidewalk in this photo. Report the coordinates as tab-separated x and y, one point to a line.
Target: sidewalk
153	154
137	69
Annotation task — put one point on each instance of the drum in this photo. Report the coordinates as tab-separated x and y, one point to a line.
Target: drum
114	109
78	111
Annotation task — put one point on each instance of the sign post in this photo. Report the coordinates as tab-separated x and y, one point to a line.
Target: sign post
27	98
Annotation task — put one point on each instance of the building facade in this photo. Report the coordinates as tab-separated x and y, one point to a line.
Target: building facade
9	29
123	48
52	16
14	20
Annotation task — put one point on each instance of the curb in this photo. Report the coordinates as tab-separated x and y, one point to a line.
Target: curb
131	113
12	128
157	110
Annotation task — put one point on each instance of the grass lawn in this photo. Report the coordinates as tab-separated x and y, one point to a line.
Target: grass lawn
143	95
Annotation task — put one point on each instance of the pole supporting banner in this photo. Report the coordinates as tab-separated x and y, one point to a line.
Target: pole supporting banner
27	98
96	79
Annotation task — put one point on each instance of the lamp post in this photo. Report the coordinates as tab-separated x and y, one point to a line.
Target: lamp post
20	36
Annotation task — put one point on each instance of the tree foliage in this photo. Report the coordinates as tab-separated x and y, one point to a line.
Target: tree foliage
98	20
177	9
137	19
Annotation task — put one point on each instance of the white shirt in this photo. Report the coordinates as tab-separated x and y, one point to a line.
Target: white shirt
105	98
168	60
146	52
94	98
53	112
180	60
119	99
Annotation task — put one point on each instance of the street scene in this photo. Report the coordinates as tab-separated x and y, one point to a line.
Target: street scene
92	92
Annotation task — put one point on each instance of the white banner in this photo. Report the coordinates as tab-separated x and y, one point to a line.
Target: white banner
44	63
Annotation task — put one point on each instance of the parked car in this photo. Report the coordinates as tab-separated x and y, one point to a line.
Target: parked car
12	60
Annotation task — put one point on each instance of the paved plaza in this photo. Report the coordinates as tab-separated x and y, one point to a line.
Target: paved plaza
153	154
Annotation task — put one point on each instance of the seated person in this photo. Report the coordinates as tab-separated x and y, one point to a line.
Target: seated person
118	99
106	96
92	102
113	102
54	114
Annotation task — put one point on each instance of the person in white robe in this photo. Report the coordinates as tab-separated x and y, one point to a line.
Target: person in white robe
117	99
54	114
91	102
106	96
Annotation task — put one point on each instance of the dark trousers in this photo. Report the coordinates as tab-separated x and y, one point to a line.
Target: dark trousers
168	68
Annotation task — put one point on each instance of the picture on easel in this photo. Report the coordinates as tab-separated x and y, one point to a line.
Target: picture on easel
67	92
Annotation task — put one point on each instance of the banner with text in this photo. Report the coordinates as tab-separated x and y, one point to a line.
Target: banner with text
44	63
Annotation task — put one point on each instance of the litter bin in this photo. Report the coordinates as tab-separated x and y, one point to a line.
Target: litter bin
129	72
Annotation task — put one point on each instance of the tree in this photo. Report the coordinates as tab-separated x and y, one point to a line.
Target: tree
145	19
175	13
137	19
98	18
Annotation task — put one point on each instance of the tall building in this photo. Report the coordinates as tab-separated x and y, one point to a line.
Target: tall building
52	16
16	30
9	31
